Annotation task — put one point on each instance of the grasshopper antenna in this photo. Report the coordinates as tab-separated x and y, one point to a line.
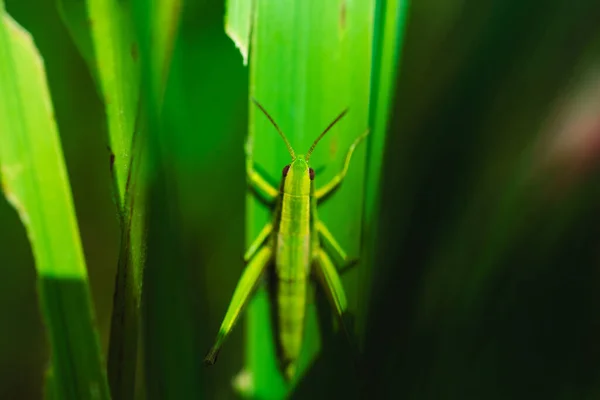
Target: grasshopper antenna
287	143
307	157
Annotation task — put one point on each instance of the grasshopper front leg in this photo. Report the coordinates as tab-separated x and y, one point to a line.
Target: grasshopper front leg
265	191
241	296
330	281
324	192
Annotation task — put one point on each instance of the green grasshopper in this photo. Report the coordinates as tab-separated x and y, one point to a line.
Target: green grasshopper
289	249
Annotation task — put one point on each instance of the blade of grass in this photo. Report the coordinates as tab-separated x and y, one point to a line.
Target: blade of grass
171	359
74	14
390	24
106	26
123	354
309	60
35	181
103	32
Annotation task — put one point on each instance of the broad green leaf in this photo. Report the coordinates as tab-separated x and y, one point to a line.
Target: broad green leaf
35	182
309	60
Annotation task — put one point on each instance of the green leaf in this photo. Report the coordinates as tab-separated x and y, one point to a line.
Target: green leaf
103	32
35	181
106	27
309	61
75	16
390	24
171	359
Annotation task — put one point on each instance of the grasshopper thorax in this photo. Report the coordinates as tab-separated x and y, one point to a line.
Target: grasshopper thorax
297	177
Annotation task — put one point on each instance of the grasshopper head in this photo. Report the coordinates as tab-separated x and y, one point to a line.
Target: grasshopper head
298	177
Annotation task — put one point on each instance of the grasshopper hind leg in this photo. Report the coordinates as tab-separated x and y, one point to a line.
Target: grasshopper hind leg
329	279
241	296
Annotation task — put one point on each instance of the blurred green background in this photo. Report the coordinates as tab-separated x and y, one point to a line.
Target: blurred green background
487	275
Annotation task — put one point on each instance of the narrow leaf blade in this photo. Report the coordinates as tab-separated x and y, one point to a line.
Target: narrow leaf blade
390	24
35	181
103	33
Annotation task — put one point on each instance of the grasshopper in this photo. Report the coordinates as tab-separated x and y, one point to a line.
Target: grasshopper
289	251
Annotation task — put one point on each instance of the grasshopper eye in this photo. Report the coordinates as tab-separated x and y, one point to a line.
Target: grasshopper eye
311	173
285	170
